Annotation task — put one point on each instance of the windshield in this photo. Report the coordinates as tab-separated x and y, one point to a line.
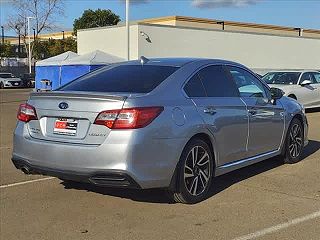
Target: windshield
123	78
6	75
281	77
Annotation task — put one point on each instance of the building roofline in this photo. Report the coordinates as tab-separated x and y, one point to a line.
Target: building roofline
228	31
230	23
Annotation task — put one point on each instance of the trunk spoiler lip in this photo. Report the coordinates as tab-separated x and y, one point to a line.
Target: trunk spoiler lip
75	95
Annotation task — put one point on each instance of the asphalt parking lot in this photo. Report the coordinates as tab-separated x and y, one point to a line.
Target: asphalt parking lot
268	200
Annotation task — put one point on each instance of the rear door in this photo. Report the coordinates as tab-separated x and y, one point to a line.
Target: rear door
266	120
217	101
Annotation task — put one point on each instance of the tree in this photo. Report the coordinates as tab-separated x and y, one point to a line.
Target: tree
44	12
53	47
7	50
98	18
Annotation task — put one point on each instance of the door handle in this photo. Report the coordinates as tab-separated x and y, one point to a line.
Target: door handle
209	110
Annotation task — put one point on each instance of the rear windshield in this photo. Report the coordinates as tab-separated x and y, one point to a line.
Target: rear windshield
123	78
281	77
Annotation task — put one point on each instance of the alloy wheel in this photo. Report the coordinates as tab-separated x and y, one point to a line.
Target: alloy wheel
197	170
295	142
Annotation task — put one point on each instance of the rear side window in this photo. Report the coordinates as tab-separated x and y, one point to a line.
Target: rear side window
217	83
123	78
194	87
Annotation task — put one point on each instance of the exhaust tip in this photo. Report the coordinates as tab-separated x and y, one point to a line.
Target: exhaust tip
26	170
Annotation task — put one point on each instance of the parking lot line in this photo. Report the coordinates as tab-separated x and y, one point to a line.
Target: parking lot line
25	182
279	227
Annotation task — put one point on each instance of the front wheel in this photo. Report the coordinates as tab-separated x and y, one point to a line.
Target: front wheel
294	142
194	173
1	85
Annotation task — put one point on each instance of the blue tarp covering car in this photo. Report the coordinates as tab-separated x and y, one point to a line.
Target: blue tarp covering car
68	66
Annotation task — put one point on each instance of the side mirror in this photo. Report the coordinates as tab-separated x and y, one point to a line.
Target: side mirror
276	93
305	82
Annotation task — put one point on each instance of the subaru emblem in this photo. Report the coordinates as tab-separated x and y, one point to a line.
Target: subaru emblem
63	105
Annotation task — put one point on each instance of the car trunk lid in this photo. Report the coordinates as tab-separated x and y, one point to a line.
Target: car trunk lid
69	116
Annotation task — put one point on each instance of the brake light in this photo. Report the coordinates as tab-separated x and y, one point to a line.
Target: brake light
129	118
26	113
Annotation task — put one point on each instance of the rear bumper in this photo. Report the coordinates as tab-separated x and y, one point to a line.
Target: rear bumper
129	158
99	178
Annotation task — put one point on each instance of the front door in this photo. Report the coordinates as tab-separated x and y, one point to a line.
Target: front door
266	120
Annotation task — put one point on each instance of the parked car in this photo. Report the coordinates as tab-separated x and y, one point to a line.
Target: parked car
159	123
28	80
304	86
8	80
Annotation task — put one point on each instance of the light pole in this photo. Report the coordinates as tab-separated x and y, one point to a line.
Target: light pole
28	19
18	27
128	30
2	33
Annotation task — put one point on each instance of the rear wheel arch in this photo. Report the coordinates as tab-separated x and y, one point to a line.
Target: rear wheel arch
207	139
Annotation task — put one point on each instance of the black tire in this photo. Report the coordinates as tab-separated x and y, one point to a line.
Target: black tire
294	142
1	85
194	177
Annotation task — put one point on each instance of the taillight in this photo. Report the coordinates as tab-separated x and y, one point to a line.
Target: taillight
26	113
128	118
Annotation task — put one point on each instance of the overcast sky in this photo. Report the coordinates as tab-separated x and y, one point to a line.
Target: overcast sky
293	13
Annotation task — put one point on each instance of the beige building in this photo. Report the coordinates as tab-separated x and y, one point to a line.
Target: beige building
260	47
42	37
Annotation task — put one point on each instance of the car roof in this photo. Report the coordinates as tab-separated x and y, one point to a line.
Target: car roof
179	62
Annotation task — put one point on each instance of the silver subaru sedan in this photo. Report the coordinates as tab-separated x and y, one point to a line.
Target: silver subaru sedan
158	123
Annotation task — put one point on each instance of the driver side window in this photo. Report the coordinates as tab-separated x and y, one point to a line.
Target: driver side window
248	85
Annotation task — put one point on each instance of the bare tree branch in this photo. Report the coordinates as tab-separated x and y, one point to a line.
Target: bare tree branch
44	12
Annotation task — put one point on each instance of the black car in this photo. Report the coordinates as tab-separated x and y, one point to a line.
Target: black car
28	79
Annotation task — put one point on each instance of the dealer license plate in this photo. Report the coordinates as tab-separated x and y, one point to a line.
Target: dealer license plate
65	126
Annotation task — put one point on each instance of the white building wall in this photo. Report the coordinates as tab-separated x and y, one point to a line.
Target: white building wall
261	52
111	40
256	51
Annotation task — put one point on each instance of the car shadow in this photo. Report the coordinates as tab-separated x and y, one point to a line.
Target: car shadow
225	181
220	183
